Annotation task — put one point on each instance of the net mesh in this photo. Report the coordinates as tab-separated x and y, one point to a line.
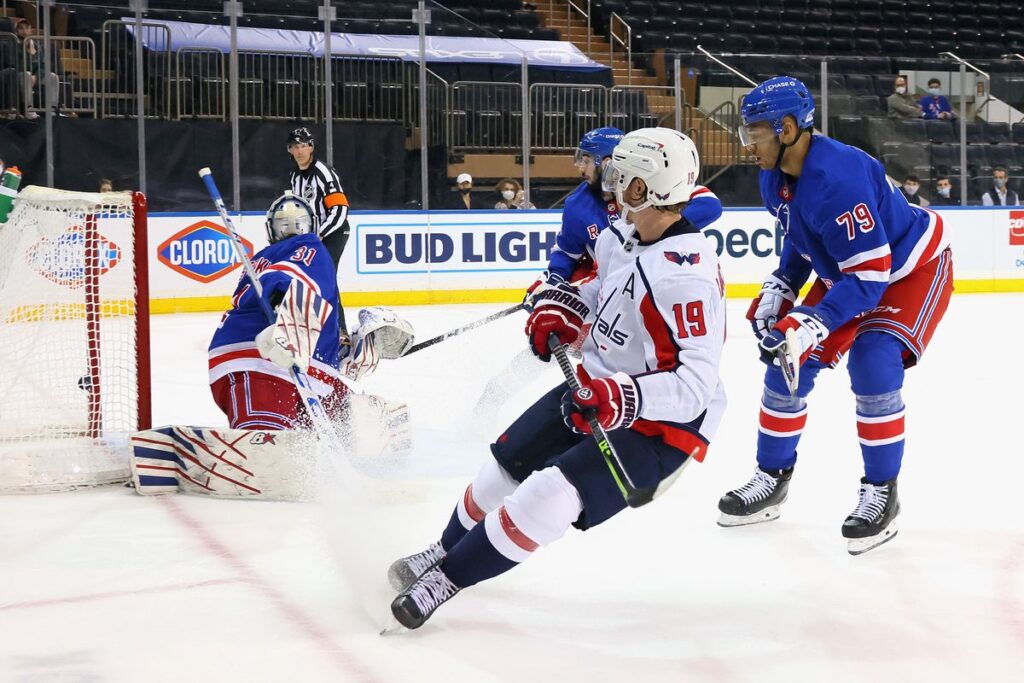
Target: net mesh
69	389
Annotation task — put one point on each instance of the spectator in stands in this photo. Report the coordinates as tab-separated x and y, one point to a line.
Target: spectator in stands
512	195
935	104
106	185
944	193
999	194
902	105
465	198
911	184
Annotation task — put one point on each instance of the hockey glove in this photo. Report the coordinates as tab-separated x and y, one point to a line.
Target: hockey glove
773	302
362	357
559	310
613	400
810	328
544	281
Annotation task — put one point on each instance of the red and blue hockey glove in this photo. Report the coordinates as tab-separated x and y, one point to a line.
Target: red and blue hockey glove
613	400
544	281
558	310
810	329
773	302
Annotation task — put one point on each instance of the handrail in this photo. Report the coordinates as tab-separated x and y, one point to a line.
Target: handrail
570	6
1014	54
627	43
967	64
716	60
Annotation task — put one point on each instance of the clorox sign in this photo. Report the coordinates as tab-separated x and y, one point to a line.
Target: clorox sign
63	259
202	252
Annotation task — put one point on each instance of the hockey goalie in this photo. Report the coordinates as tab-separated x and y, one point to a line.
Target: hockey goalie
266	450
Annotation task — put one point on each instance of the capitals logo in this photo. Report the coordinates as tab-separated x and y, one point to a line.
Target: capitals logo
680	258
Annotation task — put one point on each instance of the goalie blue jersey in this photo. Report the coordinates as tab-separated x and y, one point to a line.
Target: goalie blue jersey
586	214
847	222
304	258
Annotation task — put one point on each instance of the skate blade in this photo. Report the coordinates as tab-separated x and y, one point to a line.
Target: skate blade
858	546
391	626
767	515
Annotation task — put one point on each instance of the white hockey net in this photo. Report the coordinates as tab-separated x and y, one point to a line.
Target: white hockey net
74	338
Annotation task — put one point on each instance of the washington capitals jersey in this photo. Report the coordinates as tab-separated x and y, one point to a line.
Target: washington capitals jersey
233	348
847	222
658	315
587	213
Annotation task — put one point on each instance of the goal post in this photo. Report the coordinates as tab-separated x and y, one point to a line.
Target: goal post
74	338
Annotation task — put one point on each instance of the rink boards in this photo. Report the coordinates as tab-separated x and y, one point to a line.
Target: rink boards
423	257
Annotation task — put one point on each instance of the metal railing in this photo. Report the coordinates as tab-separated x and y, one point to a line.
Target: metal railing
13	78
584	14
75	71
485	116
562	113
117	92
368	88
615	21
201	84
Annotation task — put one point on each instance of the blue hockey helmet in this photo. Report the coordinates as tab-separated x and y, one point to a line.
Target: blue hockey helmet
598	144
774	100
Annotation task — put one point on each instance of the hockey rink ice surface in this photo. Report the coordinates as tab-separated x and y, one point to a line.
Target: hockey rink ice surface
105	585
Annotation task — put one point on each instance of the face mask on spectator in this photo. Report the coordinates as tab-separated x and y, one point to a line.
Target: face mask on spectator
1000	182
901	89
934	92
508	194
944	191
910	188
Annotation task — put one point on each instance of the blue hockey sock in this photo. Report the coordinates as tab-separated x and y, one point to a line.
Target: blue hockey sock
783	417
876	376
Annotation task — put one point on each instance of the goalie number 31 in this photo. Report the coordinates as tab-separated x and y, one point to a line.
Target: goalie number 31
860	217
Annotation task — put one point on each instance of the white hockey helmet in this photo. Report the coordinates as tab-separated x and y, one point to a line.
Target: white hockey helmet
289	215
666	160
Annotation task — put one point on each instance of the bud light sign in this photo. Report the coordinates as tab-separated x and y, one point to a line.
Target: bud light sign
201	252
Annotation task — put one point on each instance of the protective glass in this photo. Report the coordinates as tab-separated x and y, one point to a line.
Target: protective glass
609	177
582	157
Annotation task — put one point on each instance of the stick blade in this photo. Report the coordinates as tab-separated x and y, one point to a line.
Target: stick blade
789	362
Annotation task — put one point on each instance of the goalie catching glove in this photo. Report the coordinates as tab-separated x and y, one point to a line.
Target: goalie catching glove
614	401
775	300
558	310
381	333
292	338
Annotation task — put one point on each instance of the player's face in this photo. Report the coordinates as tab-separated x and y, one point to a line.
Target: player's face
584	163
302	152
760	141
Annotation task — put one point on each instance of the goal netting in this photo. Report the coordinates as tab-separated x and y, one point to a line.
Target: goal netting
74	338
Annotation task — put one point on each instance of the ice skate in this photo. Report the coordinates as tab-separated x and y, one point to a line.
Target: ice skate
404	572
756	501
873	522
414	605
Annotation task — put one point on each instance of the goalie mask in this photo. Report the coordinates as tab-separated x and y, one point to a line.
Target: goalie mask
289	216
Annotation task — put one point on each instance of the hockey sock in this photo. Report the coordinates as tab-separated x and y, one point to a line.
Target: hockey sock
489	488
539	512
783	417
876	373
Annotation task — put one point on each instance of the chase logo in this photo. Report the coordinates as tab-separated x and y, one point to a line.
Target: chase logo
63	260
201	252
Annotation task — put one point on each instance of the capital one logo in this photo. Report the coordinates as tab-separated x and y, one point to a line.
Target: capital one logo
1017	228
203	252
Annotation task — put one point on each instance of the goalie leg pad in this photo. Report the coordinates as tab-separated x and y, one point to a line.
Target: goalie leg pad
224	463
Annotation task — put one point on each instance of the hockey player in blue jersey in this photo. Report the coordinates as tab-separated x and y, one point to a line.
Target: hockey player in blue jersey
649	376
884	279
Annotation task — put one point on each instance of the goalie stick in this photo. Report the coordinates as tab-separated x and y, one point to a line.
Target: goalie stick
634	497
322	425
465	328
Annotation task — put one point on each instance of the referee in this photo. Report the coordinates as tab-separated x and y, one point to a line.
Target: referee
318	184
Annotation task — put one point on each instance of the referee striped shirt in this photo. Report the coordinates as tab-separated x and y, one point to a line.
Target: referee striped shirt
320	186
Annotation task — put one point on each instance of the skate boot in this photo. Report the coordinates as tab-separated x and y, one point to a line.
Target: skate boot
414	605
756	501
873	522
404	572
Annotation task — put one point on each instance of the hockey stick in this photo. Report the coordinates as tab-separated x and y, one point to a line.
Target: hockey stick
634	497
789	362
465	328
322	425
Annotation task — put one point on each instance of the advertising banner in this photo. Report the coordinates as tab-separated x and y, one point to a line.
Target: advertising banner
417	257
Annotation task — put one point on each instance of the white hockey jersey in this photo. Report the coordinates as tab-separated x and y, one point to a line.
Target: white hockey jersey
658	314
